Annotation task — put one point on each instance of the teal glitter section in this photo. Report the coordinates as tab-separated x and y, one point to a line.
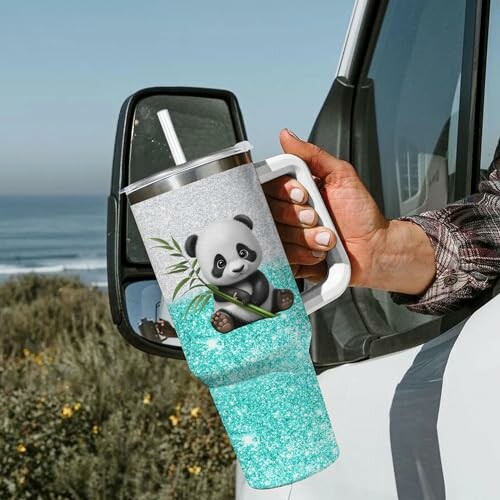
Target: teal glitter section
264	386
278	425
245	351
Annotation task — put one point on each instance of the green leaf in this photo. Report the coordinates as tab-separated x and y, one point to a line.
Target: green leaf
176	245
192	304
176	255
181	283
191	288
162	246
177	264
205	300
175	271
188	308
163	242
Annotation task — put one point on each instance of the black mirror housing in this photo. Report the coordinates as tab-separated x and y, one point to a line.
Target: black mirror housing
206	120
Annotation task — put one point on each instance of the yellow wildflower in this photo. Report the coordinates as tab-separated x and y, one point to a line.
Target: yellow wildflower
174	420
178	407
26	352
195	412
147	399
95	429
37	359
67	411
21	448
77	406
194	469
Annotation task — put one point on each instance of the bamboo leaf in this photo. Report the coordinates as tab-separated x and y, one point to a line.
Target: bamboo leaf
176	254
181	283
205	300
176	245
191	288
163	242
188	308
175	271
178	264
162	246
192	305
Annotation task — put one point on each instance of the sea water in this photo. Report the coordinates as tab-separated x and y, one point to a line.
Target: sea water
54	235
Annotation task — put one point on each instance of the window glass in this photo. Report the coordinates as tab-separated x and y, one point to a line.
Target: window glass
415	70
491	110
415	73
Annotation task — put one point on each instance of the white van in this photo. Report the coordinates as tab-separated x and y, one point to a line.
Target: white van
415	106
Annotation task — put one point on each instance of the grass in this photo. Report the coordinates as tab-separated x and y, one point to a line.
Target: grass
84	415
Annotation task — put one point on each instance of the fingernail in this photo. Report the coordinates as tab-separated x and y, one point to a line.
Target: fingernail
292	134
322	238
297	195
317	253
306	216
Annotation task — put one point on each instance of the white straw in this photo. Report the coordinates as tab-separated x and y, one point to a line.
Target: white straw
171	136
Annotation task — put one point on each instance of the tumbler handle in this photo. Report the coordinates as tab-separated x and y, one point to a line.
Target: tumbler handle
339	267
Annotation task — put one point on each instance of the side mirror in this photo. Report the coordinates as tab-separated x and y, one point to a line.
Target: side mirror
206	120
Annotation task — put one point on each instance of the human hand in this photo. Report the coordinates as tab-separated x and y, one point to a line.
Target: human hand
381	252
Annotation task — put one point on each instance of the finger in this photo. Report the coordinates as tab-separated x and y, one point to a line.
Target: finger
317	238
286	188
321	163
297	254
313	273
291	214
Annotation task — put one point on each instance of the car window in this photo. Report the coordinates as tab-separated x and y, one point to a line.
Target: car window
404	147
491	108
415	73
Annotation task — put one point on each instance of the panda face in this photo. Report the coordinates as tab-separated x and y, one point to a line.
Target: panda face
227	251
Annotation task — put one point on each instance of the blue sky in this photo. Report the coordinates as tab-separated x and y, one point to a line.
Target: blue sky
67	66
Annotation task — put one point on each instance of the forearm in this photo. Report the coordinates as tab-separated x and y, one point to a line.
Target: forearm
403	259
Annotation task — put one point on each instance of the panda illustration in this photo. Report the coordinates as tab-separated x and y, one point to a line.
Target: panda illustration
229	256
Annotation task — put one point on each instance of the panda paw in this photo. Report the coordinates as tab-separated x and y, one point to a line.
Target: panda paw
284	299
222	321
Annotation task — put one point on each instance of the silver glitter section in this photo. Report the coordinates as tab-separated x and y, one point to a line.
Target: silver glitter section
184	211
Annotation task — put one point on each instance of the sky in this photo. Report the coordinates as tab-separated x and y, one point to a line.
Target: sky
67	67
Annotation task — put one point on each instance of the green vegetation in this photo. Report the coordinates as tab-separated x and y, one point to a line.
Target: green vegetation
85	415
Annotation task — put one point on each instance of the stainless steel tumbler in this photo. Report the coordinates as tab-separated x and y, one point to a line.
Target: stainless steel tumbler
239	316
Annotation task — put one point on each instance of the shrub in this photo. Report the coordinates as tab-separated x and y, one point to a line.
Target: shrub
85	415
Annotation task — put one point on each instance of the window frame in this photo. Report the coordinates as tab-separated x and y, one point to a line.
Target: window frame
361	40
468	148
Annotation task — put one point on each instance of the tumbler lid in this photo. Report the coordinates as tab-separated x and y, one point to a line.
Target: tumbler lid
176	177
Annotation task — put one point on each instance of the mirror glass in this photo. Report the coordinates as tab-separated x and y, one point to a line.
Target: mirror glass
203	125
147	313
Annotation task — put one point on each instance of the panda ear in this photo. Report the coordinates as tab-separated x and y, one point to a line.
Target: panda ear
190	245
245	220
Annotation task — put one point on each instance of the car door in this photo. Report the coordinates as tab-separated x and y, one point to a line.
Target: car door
405	108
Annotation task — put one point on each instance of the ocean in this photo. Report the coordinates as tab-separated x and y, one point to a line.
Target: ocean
64	235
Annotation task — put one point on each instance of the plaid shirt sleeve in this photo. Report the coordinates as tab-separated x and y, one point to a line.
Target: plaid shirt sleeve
465	236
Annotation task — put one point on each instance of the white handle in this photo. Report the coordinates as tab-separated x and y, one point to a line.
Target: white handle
339	267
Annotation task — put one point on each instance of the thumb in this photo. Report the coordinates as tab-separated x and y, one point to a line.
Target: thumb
321	163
